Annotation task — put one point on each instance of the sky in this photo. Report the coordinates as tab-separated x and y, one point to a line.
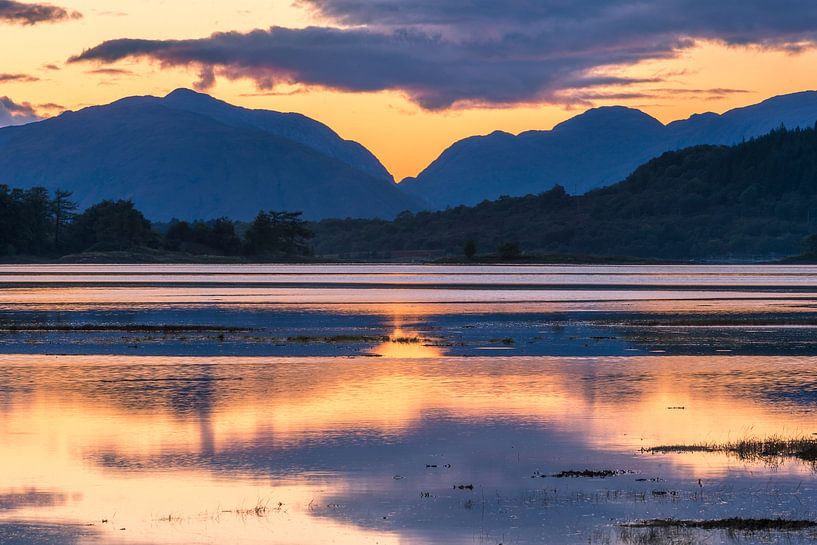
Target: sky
407	78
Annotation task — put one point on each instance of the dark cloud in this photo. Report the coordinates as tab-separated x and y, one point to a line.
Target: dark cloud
31	14
461	52
13	113
588	98
51	106
434	72
23	78
110	72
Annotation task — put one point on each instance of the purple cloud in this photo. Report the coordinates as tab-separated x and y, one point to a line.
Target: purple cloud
21	78
31	14
461	52
13	113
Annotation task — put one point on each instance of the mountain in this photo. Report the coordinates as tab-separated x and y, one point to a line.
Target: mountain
293	126
591	150
755	200
190	156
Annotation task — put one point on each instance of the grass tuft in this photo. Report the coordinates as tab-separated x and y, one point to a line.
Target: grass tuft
769	450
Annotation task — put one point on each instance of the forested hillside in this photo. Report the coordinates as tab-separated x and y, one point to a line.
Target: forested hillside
757	199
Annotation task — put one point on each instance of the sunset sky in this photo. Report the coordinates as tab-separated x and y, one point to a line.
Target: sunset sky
408	78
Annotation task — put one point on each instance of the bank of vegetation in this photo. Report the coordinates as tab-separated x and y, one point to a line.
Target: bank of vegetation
754	201
34	223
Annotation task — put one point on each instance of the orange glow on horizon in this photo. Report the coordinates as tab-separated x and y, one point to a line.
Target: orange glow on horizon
403	136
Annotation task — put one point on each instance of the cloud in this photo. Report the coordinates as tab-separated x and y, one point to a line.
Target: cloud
586	97
432	71
31	14
20	78
51	106
12	113
474	52
110	72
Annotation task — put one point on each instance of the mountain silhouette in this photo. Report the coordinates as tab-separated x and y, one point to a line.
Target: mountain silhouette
595	149
190	156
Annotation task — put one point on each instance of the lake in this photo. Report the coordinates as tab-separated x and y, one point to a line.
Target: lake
400	404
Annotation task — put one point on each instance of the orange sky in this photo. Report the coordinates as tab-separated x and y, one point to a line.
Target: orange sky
404	136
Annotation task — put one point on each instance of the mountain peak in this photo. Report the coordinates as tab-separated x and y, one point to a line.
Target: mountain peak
596	148
189	155
293	126
183	96
610	117
801	96
184	92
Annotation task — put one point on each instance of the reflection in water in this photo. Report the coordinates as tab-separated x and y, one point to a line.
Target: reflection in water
170	447
431	436
405	343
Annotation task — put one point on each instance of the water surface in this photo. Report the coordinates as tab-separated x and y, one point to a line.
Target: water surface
398	404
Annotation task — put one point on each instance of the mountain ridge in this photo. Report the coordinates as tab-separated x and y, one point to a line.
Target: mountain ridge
199	160
593	149
753	201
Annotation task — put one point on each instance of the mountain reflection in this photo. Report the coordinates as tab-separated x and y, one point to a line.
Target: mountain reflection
235	409
103	432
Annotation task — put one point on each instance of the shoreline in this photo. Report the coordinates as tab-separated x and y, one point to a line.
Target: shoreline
176	258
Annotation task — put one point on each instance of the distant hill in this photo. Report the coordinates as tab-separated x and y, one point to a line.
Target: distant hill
756	200
190	156
594	149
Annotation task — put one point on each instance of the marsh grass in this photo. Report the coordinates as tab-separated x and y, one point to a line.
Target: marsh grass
309	339
591	474
656	536
131	328
771	450
340	339
732	524
261	509
687	532
406	340
725	320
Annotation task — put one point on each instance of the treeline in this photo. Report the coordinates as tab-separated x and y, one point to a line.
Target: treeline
754	200
36	223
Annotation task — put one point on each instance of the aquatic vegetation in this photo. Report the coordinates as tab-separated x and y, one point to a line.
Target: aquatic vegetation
735	524
590	473
687	532
656	536
129	328
425	448
339	339
769	450
405	340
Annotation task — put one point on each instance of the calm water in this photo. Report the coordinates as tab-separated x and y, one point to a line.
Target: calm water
399	404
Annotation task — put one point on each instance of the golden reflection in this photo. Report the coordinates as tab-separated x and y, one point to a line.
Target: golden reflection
406	343
105	431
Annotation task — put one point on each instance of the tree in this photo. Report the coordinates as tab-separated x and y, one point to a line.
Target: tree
223	238
34	220
810	245
179	231
215	236
64	212
110	225
470	249
509	250
26	221
282	233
